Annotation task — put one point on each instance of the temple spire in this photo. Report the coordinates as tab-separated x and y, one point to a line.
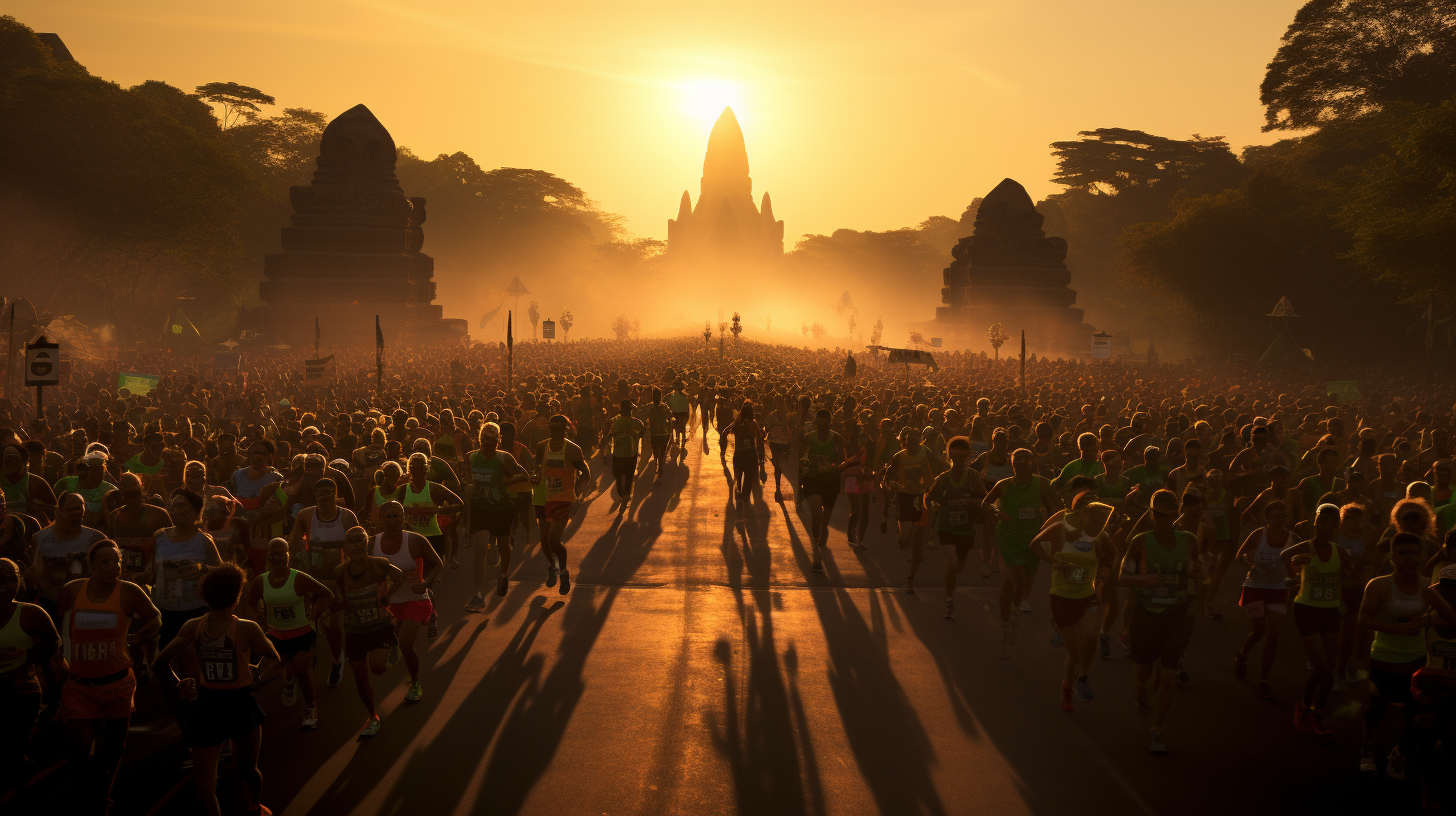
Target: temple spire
766	208
685	209
725	165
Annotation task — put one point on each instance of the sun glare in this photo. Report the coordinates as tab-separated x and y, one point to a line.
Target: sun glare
704	99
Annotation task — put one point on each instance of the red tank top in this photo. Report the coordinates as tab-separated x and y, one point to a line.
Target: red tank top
97	633
223	663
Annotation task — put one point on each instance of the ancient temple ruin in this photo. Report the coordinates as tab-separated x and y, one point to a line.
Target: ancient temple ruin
725	227
353	250
1009	272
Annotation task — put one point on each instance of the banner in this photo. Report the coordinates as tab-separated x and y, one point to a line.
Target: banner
227	360
1101	346
1345	390
935	342
137	383
912	357
318	372
548	329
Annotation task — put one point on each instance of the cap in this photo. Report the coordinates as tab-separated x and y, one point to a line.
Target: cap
1327	508
1447	573
1164	501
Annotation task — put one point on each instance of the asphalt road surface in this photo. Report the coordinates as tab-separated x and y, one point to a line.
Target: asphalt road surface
700	666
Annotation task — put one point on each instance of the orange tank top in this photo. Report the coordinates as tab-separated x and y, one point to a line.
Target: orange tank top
97	633
223	663
558	475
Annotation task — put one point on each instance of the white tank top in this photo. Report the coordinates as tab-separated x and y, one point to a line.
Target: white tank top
326	532
1268	571
401	559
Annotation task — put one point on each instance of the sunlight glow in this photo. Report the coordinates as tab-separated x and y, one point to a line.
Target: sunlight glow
704	99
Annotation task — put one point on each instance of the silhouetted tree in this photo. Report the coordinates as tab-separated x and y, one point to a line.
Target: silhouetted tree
566	320
1344	58
878	331
622	327
534	313
238	102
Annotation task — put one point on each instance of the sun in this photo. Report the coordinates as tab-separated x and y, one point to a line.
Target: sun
704	99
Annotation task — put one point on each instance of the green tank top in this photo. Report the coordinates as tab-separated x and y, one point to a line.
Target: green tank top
957	504
1021	503
286	609
488	476
14	642
1172	566
17	494
819	457
134	465
1400	607
1082	555
431	525
362	609
1319	581
914	471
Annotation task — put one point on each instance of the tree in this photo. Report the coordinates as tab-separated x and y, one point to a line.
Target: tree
707	332
1341	59
804	329
239	102
535	314
878	331
637	327
818	331
566	320
622	327
997	337
853	322
737	326
767	323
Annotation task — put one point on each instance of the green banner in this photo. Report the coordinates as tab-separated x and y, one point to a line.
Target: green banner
137	383
1345	390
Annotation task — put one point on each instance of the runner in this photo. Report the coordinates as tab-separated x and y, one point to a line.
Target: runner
748	470
1265	594
182	555
1317	613
318	540
1395	607
59	552
660	426
820	466
410	603
559	468
25	494
859	486
96	700
218	647
364	582
1081	555
1157	567
28	641
626	434
492	512
955	498
285	594
780	438
1019	504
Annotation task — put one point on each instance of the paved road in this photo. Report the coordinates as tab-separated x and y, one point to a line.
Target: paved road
700	666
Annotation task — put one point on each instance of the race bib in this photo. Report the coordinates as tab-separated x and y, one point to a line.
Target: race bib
1027	513
959	518
284	613
1078	576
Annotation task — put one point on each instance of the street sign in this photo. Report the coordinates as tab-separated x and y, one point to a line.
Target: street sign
1102	346
548	329
42	362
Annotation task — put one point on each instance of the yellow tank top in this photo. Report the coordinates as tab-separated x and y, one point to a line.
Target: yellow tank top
1319	581
1082	555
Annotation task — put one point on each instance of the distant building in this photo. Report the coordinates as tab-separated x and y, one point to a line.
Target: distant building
58	48
725	226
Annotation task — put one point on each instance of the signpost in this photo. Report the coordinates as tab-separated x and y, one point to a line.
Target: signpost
1102	346
42	368
548	329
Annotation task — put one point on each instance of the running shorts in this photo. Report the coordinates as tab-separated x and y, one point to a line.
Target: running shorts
1316	620
659	445
221	714
624	467
826	489
112	701
1257	601
778	450
495	520
1066	612
1161	637
1393	680
289	646
906	502
555	510
680	422
418	611
962	543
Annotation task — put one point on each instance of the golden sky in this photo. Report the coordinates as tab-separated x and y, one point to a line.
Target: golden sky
865	115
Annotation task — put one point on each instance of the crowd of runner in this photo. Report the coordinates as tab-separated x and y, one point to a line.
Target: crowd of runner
228	526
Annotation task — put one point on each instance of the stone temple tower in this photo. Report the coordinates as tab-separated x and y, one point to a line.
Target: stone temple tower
1009	271
353	249
725	226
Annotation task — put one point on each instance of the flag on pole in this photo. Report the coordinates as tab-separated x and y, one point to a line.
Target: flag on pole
490	315
510	341
319	371
317	335
378	355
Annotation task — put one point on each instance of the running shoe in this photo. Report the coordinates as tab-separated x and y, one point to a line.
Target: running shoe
1104	646
1183	676
552	574
1126	643
1157	746
779	496
370	728
1241	666
1264	690
477	603
290	693
1367	759
1210	613
1317	722
502	584
1395	764
950	607
453	563
393	657
310	718
1056	640
817	564
986	571
1025	606
433	630
1067	704
565	582
1084	689
414	694
1301	719
336	674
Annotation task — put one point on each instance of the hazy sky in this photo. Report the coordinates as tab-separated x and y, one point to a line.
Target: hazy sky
859	115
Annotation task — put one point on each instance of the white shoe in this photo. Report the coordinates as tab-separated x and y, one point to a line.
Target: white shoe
1025	607
290	693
